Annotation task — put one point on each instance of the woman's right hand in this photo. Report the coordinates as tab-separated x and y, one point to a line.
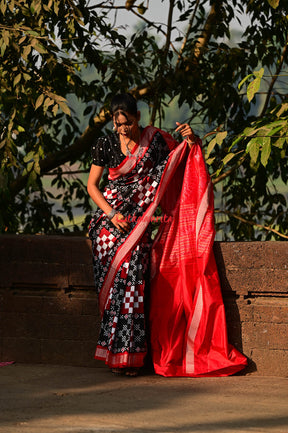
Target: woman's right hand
121	223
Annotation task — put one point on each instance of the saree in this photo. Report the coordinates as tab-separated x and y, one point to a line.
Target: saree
177	271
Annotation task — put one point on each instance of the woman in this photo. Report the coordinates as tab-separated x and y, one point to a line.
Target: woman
147	167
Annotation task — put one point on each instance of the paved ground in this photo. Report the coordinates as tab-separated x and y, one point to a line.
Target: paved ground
59	399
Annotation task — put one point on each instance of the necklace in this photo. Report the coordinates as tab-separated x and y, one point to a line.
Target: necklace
128	153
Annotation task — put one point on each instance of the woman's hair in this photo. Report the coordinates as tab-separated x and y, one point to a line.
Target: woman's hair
123	102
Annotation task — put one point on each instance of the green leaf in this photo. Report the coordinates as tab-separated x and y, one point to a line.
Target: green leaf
3	6
255	84
250	131
39	101
17	79
32	177
284	107
259	74
253	88
41	152
279	143
31	32
236	141
56	7
211	146
220	137
39	47
3	48
48	101
228	158
55	109
141	9
22	39
37	168
37	7
274	130
27	77
64	107
243	81
5	36
30	166
210	161
11	5
274	3
28	157
266	150
26	52
57	98
253	148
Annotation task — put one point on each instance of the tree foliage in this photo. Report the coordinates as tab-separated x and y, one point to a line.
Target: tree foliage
62	60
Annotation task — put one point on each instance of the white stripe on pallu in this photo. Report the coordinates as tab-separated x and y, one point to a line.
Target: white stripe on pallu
196	318
193	328
139	228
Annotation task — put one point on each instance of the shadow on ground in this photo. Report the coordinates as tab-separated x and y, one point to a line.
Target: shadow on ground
42	398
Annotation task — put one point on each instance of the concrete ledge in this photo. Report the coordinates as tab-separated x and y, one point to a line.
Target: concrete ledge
49	309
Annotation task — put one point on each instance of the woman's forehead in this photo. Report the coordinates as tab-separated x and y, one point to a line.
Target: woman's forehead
122	116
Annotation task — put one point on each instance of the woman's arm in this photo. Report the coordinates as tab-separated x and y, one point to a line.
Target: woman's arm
93	190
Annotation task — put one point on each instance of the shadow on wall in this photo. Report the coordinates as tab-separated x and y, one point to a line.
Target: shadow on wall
233	301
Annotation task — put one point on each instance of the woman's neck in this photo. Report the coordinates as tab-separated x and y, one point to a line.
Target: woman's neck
127	143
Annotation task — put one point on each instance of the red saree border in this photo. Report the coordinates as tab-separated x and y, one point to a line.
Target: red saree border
119	360
175	158
129	163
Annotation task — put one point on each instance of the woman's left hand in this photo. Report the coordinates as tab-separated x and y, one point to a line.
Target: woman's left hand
186	131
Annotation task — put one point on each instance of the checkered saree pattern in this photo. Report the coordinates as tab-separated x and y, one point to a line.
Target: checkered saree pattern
122	339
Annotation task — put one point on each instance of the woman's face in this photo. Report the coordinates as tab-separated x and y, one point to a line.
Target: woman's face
126	124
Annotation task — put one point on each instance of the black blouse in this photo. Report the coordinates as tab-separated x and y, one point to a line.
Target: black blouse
106	152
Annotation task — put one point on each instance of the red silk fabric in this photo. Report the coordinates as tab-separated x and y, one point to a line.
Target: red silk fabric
187	317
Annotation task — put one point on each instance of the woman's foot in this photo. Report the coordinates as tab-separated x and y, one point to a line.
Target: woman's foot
132	372
118	371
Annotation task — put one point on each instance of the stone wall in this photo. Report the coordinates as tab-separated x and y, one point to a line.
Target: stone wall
49	310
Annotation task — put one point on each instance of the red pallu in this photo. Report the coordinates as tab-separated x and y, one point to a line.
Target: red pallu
187	317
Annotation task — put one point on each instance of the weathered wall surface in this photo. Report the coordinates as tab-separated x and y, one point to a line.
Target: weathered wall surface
49	310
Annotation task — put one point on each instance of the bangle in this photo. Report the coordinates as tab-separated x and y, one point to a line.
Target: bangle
111	214
191	141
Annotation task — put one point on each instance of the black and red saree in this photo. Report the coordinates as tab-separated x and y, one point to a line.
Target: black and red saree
186	318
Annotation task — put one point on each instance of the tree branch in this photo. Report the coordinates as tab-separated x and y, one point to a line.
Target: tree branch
232	169
187	33
251	223
81	144
157	98
151	24
207	31
282	58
